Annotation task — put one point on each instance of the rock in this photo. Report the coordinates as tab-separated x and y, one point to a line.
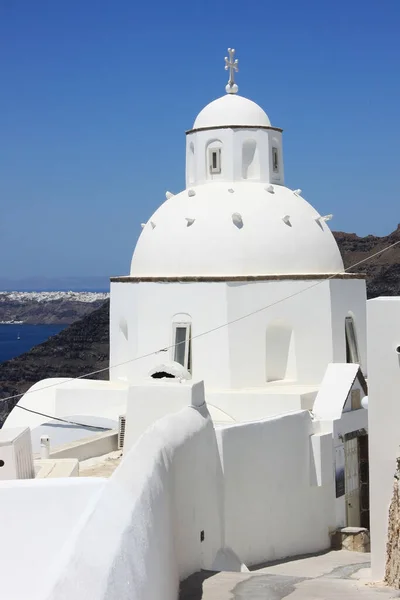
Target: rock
355	539
383	270
392	570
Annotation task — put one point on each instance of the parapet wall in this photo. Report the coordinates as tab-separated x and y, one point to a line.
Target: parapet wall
157	521
184	492
278	488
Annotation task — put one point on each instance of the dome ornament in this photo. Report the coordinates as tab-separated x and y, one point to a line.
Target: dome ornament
231	65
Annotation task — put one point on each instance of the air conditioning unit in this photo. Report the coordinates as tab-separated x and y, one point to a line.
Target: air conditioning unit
121	431
16	458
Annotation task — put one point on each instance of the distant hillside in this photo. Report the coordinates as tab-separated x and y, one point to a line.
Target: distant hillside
74	351
83	347
383	271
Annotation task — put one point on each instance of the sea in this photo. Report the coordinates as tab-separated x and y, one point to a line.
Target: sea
17	339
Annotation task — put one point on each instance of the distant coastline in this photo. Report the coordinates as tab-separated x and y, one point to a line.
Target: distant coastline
48	308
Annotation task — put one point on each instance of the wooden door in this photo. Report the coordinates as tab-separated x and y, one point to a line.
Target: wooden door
352	482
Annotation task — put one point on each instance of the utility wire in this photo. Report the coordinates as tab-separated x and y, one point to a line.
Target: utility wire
241	318
35	412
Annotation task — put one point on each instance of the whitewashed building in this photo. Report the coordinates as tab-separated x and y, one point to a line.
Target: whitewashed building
238	363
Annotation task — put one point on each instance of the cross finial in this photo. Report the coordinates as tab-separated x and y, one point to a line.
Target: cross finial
231	65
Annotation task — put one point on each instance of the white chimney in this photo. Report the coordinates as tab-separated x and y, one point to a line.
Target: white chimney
16	458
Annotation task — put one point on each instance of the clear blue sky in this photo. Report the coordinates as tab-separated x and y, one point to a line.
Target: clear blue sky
96	95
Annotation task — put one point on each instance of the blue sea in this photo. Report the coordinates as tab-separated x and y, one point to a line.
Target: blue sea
17	339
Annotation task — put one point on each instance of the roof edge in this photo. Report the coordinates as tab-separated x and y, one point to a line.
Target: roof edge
213	127
234	278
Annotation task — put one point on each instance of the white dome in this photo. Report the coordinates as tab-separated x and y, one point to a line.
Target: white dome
232	110
223	229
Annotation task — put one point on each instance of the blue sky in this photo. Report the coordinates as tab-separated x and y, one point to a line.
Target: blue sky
96	96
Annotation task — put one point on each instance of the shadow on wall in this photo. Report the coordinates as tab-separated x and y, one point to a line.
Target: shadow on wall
250	160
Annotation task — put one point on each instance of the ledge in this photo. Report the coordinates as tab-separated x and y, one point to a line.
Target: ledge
233	278
234	127
97	444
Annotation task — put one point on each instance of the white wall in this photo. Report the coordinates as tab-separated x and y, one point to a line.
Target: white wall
63	397
272	498
234	357
273	505
231	141
307	314
154	331
153	399
383	417
144	534
349	298
265	489
36	519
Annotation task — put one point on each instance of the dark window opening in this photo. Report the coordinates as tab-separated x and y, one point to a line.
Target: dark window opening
275	160
352	355
183	343
163	375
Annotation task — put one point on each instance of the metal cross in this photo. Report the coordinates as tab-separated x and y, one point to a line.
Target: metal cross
231	65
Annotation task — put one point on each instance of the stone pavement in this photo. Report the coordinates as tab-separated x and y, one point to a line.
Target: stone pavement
324	576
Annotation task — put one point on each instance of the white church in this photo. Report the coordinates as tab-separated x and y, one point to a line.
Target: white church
237	394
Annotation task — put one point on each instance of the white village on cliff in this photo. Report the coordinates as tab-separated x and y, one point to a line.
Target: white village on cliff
240	425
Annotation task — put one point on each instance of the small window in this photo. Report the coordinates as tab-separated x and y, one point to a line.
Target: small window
182	350
215	160
352	355
275	159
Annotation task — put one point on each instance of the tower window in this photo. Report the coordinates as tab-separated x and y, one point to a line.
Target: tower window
182	350
215	160
275	159
352	355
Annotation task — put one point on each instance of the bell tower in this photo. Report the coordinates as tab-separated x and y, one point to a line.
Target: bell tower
232	139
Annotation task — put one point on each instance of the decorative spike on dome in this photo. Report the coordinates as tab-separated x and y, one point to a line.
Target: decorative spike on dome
231	65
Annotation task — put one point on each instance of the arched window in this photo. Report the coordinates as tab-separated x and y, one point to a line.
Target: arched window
214	158
250	160
275	159
352	354
280	352
182	341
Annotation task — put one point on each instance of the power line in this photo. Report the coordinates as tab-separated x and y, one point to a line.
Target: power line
35	412
202	334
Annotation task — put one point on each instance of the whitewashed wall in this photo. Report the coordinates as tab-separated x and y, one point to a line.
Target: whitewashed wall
272	498
273	505
349	300
316	318
383	417
263	489
144	534
231	141
36	519
63	397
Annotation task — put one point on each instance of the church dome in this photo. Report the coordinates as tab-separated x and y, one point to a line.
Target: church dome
235	229
229	111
